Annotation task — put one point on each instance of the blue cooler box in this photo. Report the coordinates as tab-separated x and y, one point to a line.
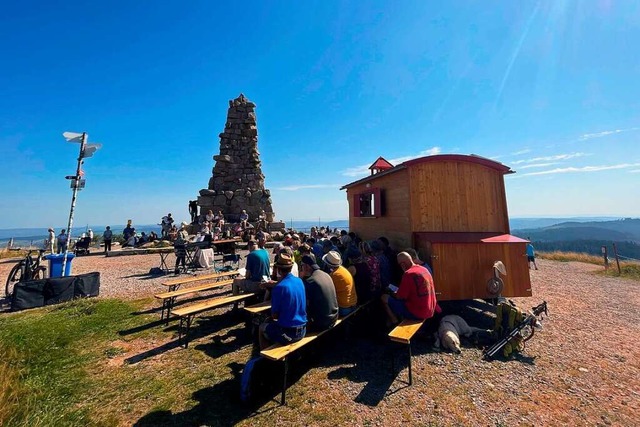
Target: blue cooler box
55	264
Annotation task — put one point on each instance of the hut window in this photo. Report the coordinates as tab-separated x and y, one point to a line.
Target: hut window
368	203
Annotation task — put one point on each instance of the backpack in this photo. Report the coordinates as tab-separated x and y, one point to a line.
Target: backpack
258	380
508	316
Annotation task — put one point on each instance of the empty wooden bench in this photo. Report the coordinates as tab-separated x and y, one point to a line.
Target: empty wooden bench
175	284
186	314
169	298
281	352
402	334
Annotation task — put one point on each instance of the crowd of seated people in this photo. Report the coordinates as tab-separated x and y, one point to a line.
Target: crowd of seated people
339	271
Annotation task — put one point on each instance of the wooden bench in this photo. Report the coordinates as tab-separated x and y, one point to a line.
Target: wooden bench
258	308
169	298
281	352
402	334
173	285
186	314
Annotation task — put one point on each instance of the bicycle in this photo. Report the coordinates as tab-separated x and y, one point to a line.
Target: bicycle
25	269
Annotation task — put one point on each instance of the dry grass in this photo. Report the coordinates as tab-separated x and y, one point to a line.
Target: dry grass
11	389
629	270
12	253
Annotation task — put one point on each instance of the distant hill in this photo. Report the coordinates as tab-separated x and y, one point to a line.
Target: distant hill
587	237
529	223
626	229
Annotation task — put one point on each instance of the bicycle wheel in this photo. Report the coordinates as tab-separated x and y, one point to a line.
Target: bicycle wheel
15	276
39	273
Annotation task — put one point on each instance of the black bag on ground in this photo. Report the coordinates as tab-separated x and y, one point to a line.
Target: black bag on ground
28	294
59	289
87	285
259	380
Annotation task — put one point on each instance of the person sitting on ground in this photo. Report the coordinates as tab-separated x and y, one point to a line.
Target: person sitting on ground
218	219
343	282
322	302
416	259
361	274
288	307
210	217
153	236
415	297
205	228
257	268
244	219
143	238
132	240
180	247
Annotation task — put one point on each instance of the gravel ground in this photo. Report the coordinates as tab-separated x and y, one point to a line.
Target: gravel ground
124	277
582	369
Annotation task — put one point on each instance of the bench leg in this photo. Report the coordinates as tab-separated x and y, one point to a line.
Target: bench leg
284	381
170	303
410	373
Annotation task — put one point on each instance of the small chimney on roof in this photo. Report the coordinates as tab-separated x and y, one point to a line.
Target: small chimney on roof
380	165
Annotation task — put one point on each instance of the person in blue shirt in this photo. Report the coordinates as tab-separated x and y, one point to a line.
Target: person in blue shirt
258	265
288	322
531	255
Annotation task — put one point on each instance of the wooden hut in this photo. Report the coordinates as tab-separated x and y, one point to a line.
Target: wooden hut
453	210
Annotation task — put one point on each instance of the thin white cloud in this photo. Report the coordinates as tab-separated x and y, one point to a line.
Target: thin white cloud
587	136
635	171
550	158
364	169
585	169
306	187
538	165
521	152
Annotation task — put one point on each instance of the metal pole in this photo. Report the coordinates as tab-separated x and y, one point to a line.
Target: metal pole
73	202
615	252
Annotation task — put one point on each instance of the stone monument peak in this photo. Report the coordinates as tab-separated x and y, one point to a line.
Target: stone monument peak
237	181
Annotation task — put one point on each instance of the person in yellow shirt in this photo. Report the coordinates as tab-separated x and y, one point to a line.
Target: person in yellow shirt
343	282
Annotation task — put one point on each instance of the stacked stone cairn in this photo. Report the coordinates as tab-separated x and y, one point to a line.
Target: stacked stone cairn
237	181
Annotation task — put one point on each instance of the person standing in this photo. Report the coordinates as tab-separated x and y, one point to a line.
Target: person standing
62	241
51	239
531	254
193	210
180	247
107	236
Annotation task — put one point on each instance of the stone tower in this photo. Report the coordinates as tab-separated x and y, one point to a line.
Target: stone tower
237	181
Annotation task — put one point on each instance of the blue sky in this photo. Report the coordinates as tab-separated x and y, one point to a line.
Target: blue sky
550	88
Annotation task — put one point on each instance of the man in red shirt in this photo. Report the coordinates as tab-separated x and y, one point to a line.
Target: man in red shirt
416	296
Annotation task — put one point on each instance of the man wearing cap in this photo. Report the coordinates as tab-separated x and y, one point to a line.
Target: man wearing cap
322	302
416	296
288	307
258	266
342	281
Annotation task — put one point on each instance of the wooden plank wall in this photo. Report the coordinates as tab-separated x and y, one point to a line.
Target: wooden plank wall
457	196
395	224
461	270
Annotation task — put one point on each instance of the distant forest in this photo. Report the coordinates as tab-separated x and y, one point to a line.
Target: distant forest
592	247
587	237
